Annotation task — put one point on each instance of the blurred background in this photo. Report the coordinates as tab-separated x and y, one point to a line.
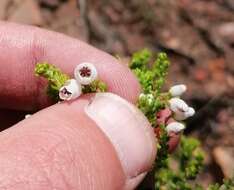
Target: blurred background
198	36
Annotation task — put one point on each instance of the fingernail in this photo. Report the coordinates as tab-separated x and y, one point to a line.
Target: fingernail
128	130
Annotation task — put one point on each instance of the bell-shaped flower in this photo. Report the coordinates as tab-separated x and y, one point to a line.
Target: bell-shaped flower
70	90
180	116
177	104
85	73
175	127
177	90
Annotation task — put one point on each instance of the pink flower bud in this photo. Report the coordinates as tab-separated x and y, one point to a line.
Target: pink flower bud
174	139
163	116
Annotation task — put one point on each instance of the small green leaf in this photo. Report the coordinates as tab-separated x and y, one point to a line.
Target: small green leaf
95	86
55	77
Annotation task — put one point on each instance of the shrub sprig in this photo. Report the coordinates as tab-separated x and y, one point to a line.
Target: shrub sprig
56	79
151	75
189	156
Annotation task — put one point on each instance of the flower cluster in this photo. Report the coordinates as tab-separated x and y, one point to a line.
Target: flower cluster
62	87
172	115
175	111
180	110
84	73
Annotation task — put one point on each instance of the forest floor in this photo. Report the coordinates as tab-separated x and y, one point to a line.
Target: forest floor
198	36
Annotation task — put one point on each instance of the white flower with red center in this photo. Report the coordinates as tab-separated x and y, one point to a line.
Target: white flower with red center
85	73
70	90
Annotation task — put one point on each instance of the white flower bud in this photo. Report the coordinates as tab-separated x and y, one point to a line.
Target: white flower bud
175	127
27	116
190	112
70	90
85	73
180	116
177	90
177	104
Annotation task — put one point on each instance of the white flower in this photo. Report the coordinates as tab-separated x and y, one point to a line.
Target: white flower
177	104
175	127
190	112
177	90
181	110
85	73
70	90
180	116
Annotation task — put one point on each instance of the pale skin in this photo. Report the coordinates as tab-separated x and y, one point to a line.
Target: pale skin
61	147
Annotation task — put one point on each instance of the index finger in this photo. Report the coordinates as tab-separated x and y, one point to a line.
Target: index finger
22	47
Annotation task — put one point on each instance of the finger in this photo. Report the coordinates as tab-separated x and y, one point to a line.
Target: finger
99	143
22	47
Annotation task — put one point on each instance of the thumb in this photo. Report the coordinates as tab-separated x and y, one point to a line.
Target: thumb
101	142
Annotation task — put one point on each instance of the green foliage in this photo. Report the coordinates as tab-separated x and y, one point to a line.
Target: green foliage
148	104
160	69
191	160
228	184
55	77
141	59
162	148
146	79
95	86
189	156
214	187
151	77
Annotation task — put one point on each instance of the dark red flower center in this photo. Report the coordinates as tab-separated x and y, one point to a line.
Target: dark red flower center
85	72
66	92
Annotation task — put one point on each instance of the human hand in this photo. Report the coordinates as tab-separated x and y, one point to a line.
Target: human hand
96	142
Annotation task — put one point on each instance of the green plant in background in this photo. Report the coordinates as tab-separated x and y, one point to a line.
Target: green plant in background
190	161
228	184
189	156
